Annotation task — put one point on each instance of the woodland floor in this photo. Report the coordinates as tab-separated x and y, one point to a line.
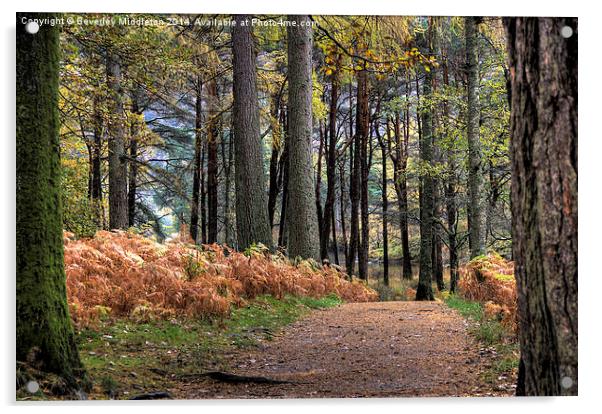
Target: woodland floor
382	349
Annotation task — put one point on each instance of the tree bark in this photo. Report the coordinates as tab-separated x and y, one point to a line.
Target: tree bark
96	193
399	157
304	239
450	194
425	290
252	222
475	219
118	202
385	203
543	78
44	334
212	167
197	171
363	134
330	164
133	164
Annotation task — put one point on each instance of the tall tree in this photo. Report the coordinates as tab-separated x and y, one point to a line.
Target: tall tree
331	155
363	136
303	233
399	157
450	190
96	193
252	223
475	219
133	161
385	200
543	84
43	327
197	160
118	171
425	289
212	167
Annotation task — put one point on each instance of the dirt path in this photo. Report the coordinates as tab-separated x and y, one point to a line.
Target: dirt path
383	349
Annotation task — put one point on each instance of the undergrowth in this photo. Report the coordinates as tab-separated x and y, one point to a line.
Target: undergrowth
125	358
487	298
122	274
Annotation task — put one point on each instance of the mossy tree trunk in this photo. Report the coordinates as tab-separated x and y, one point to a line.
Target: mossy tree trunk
543	84
304	239
43	327
252	222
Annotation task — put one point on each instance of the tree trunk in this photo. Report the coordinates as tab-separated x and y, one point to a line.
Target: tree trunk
450	194
212	168
252	223
344	197
275	172
385	201
354	194
96	193
399	157
425	290
330	165
304	239
44	334
228	161
475	219
318	183
363	134
543	67
203	191
197	171
118	198
133	163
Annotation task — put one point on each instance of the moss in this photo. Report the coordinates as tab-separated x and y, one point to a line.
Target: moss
44	334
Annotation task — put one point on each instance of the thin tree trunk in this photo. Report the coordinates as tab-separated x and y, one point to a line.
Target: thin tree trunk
44	335
196	175
475	220
363	134
450	194
212	167
118	203
96	193
275	172
343	205
133	164
543	67
330	165
385	202
203	191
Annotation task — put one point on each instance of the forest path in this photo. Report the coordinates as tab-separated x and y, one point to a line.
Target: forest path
381	349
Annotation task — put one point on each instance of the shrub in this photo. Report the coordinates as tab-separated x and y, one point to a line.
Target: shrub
490	281
125	274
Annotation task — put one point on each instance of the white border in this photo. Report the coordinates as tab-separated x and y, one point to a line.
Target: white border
590	152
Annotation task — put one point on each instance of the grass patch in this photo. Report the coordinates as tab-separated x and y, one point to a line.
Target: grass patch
124	357
498	340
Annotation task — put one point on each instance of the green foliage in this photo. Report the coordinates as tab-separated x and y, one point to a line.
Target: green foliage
256	249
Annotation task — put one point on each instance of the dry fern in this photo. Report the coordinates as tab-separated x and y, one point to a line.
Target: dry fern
124	274
490	281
